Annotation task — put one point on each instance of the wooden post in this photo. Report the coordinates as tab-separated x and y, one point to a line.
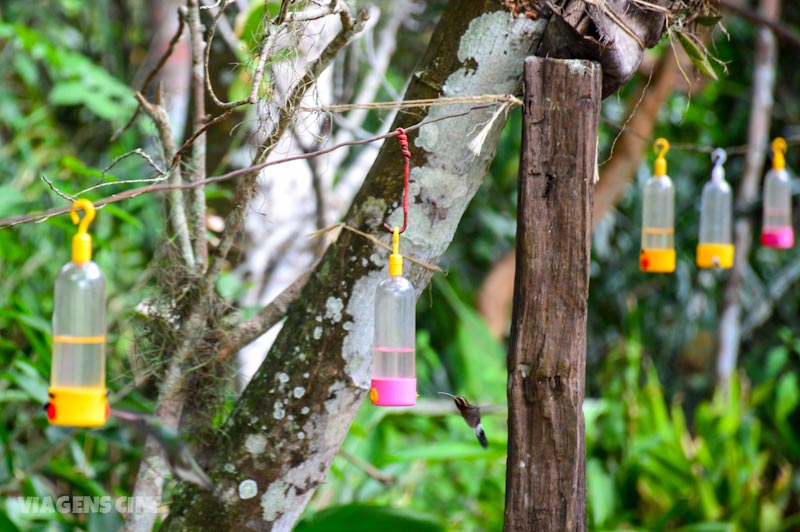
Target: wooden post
546	469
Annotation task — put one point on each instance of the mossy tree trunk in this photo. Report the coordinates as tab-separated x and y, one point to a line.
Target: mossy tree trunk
293	416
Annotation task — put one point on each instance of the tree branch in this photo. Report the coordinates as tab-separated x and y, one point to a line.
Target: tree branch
176	206
781	31
128	194
246	188
729	328
266	318
197	170
156	69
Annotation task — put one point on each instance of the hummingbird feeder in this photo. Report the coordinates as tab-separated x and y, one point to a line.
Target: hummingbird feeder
77	393
715	246
657	253
394	380
777	230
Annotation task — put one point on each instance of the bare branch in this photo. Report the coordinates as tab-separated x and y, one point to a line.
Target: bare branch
266	318
177	212
366	467
128	194
246	189
216	120
67	197
197	170
156	69
781	31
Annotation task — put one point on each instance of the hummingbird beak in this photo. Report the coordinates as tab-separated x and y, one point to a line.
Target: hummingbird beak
450	395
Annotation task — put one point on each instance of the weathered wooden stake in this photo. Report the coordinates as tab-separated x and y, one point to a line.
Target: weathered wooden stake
546	470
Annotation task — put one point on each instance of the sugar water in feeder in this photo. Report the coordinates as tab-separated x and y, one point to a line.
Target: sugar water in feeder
657	253
394	380
777	229
715	246
77	393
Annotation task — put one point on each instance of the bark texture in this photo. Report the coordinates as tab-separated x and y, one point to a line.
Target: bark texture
295	413
546	468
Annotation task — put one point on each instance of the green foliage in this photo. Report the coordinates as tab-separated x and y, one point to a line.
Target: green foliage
651	468
364	518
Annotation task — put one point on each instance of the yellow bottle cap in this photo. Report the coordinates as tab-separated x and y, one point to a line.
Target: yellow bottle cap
396	259
82	241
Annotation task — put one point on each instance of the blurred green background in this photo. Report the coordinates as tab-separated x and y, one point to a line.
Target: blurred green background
666	451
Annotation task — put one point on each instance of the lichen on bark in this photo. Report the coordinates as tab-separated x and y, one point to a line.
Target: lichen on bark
324	347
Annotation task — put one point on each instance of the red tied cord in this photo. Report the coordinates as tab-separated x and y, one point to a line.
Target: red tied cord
402	138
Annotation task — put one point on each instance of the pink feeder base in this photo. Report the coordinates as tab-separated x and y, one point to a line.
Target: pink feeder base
393	392
779	238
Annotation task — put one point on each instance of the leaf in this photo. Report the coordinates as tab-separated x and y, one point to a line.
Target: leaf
698	56
6	524
708	20
367	518
787	396
600	492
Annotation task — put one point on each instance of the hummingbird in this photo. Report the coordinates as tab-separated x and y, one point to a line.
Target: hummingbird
471	414
179	458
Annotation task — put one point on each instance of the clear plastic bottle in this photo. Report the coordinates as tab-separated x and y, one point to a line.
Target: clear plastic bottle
715	245
77	390
777	230
657	253
79	327
394	380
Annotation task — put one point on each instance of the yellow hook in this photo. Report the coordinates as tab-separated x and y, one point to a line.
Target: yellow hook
395	259
778	152
82	241
661	147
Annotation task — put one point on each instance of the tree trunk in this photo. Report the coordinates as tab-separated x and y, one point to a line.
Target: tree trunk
546	467
729	329
295	413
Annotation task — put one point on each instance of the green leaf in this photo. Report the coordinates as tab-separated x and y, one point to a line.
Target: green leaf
708	20
6	524
366	518
600	492
30	381
787	396
698	56
708	527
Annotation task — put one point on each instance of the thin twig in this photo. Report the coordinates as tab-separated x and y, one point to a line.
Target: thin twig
247	187
67	197
156	69
374	240
366	467
205	127
781	31
133	193
163	174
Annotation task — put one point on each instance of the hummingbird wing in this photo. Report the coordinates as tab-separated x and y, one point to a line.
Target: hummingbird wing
187	469
179	458
481	435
